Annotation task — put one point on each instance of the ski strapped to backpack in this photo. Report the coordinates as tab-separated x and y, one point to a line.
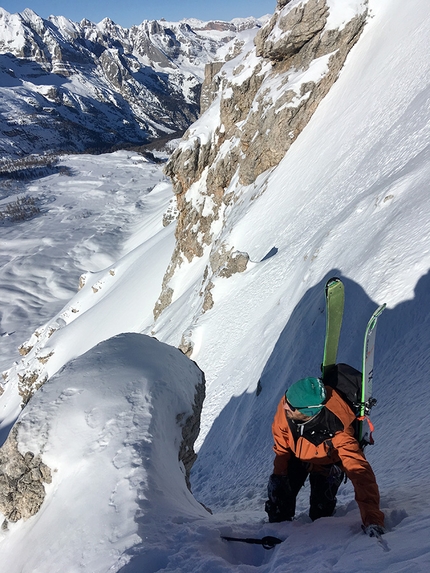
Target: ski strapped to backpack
355	387
334	301
366	399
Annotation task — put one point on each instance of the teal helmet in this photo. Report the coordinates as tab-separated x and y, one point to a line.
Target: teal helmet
307	396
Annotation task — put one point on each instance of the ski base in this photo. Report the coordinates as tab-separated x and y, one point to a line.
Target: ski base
335	301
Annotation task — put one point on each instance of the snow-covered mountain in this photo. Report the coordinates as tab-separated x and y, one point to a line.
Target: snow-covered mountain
101	439
67	86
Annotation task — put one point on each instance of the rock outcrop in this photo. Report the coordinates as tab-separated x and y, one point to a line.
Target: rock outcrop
257	105
191	430
22	479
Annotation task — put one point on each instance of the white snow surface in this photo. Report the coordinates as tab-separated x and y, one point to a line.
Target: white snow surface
349	199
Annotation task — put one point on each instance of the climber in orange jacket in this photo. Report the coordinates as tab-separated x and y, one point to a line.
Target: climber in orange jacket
314	436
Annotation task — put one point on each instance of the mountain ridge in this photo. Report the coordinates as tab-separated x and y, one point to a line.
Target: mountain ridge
74	87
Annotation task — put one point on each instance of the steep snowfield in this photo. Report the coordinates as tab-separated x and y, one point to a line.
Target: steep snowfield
349	199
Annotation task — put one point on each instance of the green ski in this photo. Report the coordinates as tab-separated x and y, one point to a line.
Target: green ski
335	299
367	401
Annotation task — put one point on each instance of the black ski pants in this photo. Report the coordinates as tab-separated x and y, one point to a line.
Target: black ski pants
324	484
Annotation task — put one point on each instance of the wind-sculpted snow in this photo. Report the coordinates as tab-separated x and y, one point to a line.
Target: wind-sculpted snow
81	249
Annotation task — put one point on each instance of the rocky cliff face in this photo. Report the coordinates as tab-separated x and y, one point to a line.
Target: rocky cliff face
67	86
257	105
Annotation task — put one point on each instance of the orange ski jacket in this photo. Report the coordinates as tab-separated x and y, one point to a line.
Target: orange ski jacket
328	438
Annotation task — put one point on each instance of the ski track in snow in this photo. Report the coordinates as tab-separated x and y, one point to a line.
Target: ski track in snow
350	199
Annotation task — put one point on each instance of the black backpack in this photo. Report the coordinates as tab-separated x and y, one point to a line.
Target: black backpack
347	381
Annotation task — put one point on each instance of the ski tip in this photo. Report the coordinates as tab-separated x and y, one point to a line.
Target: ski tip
333	284
373	320
333	280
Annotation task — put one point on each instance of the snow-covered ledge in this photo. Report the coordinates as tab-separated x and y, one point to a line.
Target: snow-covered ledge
116	428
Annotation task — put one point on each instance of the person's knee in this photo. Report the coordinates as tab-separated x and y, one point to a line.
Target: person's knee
324	487
324	509
278	512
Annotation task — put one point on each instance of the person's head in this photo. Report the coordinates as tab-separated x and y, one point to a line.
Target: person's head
305	398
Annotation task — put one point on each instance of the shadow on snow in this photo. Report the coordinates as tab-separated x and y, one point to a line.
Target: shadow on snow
236	458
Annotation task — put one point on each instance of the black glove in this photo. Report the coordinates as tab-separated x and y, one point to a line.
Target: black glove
373	530
281	503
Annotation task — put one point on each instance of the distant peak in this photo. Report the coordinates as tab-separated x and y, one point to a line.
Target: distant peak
108	20
30	14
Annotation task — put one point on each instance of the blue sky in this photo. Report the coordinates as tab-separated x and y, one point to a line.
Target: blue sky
126	13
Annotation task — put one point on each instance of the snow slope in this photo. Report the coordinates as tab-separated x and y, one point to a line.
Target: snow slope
91	218
349	199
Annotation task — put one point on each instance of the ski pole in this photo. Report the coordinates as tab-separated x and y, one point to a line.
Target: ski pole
268	542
